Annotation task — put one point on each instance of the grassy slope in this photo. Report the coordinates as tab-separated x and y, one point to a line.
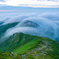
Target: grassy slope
32	47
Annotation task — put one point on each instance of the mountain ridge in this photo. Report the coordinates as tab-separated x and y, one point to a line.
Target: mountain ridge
28	46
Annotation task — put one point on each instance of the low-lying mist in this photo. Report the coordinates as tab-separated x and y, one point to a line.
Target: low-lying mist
39	24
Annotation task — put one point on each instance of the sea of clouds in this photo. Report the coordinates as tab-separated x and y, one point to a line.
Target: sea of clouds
38	24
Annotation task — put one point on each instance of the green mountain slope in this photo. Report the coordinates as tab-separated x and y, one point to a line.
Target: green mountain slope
1	22
29	47
3	28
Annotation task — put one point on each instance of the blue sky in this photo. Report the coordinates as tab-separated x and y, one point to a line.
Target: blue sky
1	0
31	3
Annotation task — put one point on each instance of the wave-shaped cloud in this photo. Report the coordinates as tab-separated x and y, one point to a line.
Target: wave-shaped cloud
45	25
17	18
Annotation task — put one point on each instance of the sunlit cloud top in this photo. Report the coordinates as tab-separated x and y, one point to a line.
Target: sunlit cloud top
31	3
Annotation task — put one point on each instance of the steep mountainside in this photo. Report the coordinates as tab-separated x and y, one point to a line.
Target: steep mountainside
1	22
3	28
26	46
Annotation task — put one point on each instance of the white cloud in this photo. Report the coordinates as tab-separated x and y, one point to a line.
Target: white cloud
35	24
32	3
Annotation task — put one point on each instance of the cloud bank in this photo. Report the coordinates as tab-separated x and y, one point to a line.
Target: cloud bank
32	3
45	25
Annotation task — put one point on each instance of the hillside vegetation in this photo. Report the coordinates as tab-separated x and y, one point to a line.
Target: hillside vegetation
3	28
20	46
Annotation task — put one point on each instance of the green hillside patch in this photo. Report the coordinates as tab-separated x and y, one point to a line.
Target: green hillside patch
29	47
9	55
3	28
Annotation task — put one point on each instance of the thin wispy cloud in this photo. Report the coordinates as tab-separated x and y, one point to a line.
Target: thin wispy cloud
7	10
32	3
4	10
